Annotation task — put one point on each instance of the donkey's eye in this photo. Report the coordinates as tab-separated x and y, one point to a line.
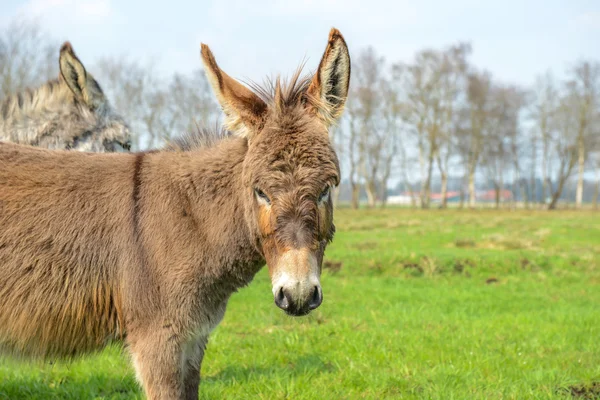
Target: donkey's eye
324	194
262	196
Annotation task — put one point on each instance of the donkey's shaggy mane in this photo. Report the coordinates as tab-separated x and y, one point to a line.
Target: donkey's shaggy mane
31	100
201	138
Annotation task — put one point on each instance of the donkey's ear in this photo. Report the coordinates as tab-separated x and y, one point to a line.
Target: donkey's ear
83	85
328	89
244	110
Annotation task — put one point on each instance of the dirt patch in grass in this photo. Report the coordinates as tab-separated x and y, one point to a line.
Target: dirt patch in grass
501	242
370	225
460	266
411	265
332	266
590	391
365	245
430	266
376	267
465	243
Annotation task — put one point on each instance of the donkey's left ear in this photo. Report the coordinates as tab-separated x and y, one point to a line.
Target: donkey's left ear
328	89
83	85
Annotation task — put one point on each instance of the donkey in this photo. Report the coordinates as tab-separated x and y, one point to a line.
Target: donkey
148	247
70	112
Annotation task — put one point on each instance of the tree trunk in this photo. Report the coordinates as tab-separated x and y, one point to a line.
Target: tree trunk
461	205
472	188
559	189
384	193
597	188
355	194
545	172
497	194
371	193
581	170
422	168
524	194
444	190
501	190
426	201
409	187
596	194
532	182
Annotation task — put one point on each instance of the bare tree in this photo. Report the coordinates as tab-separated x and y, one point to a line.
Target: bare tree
478	103
596	165
27	57
585	87
502	138
367	138
190	102
543	107
564	139
454	69
354	155
512	100
157	109
424	110
494	151
392	112
133	89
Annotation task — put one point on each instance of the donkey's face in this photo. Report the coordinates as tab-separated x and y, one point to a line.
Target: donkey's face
290	168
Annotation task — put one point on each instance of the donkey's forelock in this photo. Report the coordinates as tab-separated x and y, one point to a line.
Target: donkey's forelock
281	93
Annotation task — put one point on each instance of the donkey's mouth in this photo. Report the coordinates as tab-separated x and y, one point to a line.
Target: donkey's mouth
298	313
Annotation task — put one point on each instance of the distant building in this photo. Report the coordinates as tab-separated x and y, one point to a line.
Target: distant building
400	199
490	195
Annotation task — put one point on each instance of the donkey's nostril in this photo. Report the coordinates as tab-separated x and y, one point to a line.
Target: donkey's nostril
316	299
281	299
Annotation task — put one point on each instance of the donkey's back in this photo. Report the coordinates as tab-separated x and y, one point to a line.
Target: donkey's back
63	231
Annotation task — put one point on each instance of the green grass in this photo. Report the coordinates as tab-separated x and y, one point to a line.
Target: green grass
437	304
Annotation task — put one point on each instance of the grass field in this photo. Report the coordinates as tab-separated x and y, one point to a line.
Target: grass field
437	304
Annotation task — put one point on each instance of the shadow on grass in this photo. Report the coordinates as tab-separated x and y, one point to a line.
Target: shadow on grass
305	365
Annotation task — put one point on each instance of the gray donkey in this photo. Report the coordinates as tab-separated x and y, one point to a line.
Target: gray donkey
70	112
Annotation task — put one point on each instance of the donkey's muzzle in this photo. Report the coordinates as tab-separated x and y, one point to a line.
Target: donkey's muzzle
292	305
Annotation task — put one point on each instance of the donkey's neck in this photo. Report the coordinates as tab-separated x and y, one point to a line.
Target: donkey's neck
212	201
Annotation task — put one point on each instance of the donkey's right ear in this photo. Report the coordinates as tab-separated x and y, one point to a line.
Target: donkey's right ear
244	111
83	85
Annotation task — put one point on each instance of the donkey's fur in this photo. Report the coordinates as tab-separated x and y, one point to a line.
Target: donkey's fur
149	247
70	112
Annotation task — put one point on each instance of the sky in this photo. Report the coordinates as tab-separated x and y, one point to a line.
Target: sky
252	39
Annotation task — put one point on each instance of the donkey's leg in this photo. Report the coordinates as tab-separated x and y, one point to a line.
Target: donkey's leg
193	356
157	358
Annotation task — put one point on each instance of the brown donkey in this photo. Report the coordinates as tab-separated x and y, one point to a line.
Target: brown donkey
70	112
148	247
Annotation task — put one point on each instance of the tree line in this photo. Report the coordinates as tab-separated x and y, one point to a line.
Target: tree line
439	114
435	117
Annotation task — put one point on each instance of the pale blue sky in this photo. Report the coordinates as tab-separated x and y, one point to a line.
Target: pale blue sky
514	39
